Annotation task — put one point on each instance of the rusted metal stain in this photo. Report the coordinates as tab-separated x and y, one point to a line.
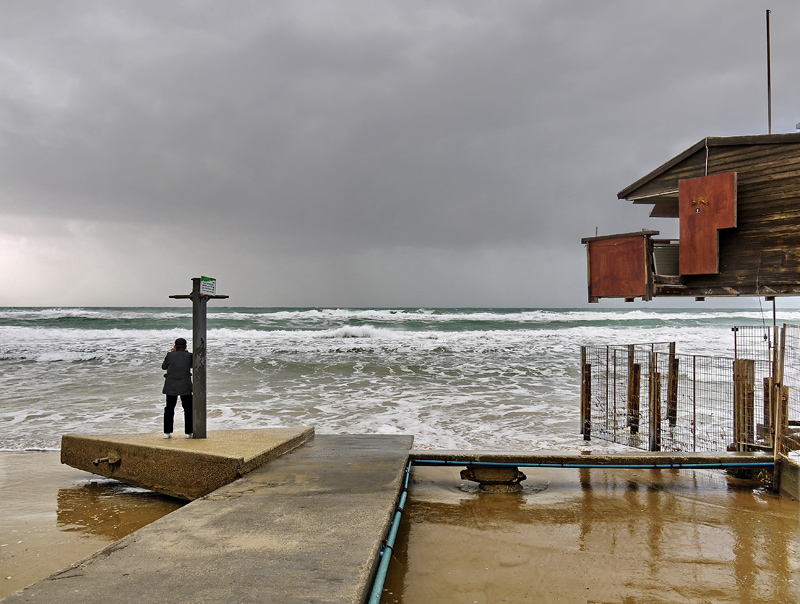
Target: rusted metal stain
618	267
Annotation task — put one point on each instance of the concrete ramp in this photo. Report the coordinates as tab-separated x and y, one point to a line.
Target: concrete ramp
180	467
306	527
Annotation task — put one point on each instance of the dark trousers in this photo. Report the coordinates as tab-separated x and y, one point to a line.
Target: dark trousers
169	412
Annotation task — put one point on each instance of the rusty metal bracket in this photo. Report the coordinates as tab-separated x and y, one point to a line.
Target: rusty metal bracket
110	460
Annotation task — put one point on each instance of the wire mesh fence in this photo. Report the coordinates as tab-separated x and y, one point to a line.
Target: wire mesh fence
757	354
698	406
789	413
616	384
756	342
649	397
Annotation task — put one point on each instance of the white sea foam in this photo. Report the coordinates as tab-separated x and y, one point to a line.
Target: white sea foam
361	331
453	378
320	316
32	314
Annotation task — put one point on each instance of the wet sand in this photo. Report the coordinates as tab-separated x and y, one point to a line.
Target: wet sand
52	516
596	536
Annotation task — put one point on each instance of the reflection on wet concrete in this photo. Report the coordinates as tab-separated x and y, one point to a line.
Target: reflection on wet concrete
52	516
110	510
596	536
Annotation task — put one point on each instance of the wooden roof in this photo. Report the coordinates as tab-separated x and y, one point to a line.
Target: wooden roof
619	236
661	194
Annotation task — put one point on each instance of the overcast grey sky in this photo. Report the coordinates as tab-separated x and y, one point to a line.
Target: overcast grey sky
356	153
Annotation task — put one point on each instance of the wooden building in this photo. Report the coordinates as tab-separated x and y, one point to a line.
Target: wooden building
737	200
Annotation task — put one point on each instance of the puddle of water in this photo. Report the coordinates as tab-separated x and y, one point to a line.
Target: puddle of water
53	515
591	535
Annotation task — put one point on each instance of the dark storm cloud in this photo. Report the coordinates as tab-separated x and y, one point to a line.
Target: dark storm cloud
339	128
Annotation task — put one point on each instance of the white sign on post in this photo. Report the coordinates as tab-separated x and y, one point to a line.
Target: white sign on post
208	286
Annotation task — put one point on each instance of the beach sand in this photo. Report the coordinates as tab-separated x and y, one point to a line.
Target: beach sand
52	516
581	536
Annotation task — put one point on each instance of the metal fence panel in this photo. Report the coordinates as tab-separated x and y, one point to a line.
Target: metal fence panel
646	397
620	391
699	416
790	416
649	397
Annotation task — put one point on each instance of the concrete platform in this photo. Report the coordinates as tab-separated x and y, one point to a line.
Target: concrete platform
790	477
306	527
180	467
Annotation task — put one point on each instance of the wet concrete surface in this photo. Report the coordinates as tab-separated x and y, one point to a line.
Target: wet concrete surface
596	536
306	527
52	515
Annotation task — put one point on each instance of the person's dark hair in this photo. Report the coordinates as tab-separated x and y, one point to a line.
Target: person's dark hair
180	343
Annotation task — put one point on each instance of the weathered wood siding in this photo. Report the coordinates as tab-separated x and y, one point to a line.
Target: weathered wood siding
761	256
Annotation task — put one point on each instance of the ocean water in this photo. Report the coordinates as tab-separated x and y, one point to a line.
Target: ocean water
454	378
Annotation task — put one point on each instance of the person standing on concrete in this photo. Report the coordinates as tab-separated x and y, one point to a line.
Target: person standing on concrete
178	382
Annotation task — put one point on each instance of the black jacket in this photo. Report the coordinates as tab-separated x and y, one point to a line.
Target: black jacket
179	373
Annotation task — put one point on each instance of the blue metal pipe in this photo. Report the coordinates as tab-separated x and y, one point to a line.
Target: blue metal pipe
693	466
388	547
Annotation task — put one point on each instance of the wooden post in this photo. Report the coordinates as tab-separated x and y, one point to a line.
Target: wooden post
767	431
631	394
771	394
672	387
634	390
744	403
614	427
655	404
199	330
586	396
583	388
607	374
784	414
781	409
781	426
750	403
694	403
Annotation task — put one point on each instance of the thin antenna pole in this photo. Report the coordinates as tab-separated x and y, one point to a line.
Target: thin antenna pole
769	79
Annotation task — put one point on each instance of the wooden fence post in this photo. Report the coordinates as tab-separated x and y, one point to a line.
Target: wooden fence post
655	403
766	431
744	403
694	403
634	390
672	387
586	396
781	409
